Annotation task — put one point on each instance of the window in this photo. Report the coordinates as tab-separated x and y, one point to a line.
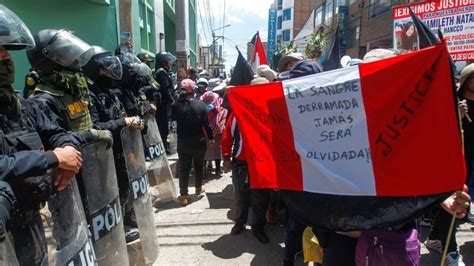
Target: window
378	7
286	35
171	3
279	22
147	25
329	9
383	44
287	14
340	3
318	16
354	33
280	4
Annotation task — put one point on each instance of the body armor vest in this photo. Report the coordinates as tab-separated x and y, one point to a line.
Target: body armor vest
76	110
19	134
110	106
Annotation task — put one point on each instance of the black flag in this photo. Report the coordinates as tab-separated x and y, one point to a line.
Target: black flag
426	37
242	74
254	39
333	56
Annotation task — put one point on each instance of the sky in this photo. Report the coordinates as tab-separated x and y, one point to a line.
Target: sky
245	17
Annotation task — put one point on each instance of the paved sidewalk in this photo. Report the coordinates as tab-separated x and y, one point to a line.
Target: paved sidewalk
198	234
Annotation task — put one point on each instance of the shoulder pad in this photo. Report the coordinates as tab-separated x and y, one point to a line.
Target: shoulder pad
48	90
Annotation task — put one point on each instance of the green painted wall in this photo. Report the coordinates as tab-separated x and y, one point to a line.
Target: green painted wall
94	21
170	28
193	42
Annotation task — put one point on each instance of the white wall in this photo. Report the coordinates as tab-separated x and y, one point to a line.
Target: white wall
288	24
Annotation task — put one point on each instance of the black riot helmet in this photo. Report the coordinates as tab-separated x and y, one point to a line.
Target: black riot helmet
135	66
162	58
58	49
133	70
103	64
14	35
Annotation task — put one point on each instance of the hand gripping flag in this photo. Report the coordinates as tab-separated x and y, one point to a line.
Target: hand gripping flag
362	147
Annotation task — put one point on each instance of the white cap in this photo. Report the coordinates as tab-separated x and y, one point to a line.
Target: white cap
202	80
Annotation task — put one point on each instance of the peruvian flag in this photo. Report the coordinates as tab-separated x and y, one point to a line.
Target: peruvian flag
364	140
259	57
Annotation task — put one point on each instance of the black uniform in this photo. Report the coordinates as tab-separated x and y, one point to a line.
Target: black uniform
108	113
163	111
27	162
130	91
24	166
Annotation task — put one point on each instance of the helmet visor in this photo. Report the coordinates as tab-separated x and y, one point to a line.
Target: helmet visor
170	57
68	50
129	58
135	65
141	69
14	34
111	67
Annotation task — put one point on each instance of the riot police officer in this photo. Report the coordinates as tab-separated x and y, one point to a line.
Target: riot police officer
24	129
133	85
62	91
138	208
163	63
108	113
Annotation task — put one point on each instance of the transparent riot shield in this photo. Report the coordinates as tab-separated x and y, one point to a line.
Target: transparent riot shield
139	192
7	251
103	209
70	239
157	163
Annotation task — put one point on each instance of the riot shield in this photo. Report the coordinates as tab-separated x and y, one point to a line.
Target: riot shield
139	192
7	251
70	236
173	136
157	163
103	210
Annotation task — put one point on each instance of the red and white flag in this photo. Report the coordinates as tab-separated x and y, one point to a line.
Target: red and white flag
386	128
259	57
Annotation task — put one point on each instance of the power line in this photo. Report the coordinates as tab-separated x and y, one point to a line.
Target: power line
211	15
234	44
202	23
223	28
206	5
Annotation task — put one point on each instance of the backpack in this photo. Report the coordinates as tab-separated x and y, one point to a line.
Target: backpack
385	248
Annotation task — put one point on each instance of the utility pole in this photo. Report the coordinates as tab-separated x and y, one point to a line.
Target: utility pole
214	46
214	42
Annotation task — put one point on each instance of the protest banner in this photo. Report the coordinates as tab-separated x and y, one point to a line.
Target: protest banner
379	140
455	18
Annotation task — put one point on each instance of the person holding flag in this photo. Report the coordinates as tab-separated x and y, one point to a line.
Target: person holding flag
235	159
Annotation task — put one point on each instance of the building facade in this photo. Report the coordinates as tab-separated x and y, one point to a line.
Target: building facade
149	26
95	21
363	24
291	17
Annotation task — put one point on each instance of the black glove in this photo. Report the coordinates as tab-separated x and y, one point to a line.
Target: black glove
104	136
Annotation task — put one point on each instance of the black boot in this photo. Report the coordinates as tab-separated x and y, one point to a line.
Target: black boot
130	220
167	148
131	236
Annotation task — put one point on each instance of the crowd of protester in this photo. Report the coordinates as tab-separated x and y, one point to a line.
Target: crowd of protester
338	248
